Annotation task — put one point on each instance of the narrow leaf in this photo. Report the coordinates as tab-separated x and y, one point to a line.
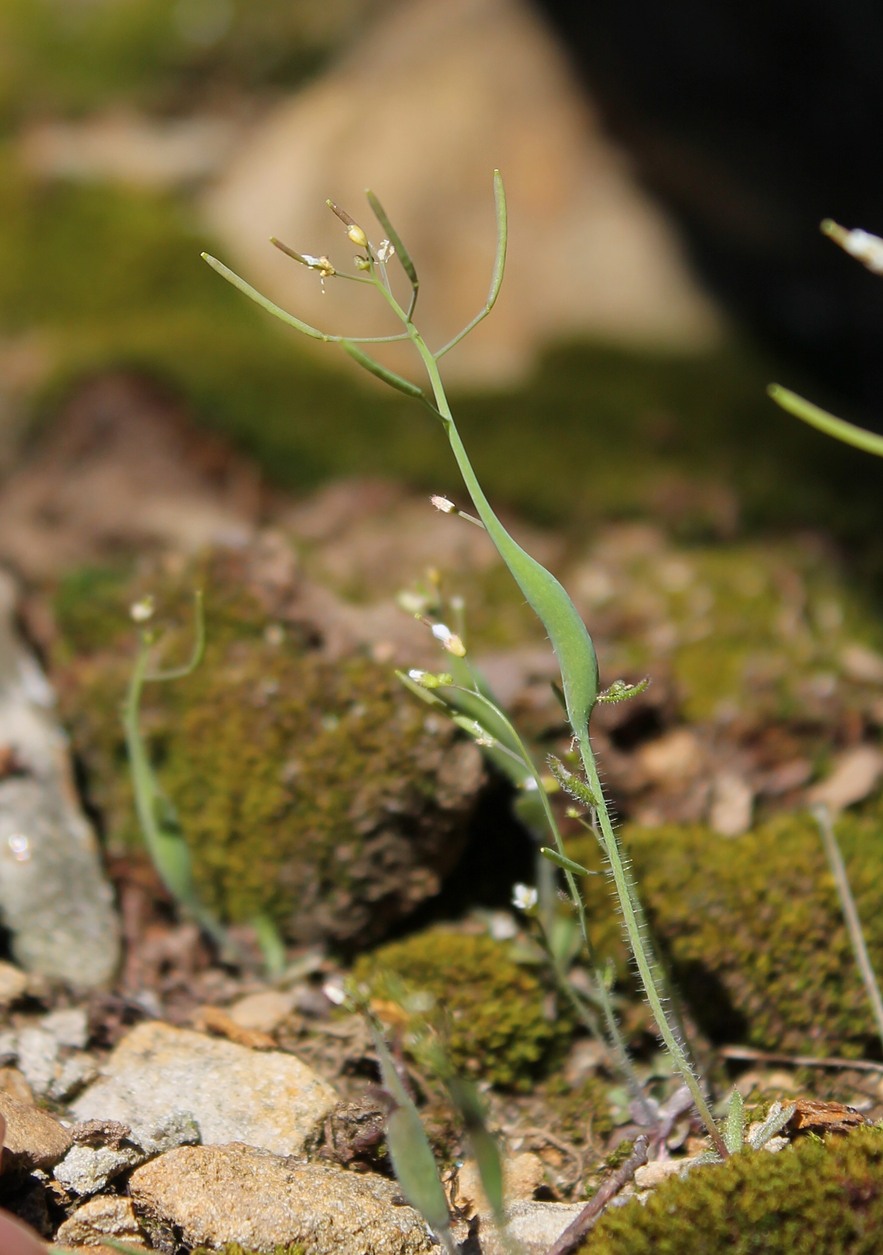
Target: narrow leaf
847	433
734	1131
567	864
774	1123
483	1145
499	265
263	301
396	241
409	1148
382	372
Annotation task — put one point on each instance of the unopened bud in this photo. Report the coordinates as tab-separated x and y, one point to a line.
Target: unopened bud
443	504
450	641
357	235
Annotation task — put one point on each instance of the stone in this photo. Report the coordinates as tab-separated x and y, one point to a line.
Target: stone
103	1152
264	1011
13	983
54	897
107	1216
33	1140
534	1226
588	251
854	776
266	1098
236	1193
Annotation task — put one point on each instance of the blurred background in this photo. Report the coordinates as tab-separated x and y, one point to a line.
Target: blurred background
666	171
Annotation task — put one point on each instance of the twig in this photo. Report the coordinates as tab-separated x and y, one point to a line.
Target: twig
799	1061
573	1235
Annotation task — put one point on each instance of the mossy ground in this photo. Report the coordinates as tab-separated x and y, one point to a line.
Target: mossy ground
752	930
491	1012
813	1196
113	277
309	790
157	54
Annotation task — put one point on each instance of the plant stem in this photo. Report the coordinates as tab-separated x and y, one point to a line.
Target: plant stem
625	889
632	918
850	913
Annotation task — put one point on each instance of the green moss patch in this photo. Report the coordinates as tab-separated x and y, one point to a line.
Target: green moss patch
813	1196
752	930
312	791
491	1011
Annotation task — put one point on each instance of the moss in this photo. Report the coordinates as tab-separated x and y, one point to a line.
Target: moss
599	432
314	791
490	1010
824	1197
755	629
752	930
579	1113
63	58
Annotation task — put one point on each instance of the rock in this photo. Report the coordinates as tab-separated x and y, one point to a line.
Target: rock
263	1011
33	1140
13	983
854	776
523	1174
587	250
236	1193
95	1160
535	1226
108	1216
54	899
50	1054
732	804
130	441
266	1098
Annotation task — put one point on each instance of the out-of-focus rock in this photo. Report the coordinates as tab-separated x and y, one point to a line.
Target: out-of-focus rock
422	110
54	899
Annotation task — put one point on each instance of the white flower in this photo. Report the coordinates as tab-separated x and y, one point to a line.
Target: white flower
443	504
524	898
334	993
867	248
141	611
385	251
322	264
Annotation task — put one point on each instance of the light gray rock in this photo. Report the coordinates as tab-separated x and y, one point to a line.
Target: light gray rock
54	898
267	1098
91	1164
50	1054
534	1226
218	1194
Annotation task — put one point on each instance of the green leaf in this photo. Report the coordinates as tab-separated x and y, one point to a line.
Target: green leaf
382	372
734	1131
567	864
409	1149
396	241
848	433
